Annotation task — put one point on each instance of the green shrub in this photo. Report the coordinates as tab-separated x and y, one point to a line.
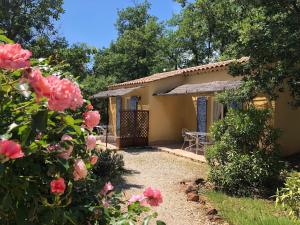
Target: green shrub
244	159
109	165
289	196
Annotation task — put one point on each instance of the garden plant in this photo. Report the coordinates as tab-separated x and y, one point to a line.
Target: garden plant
288	197
245	158
47	151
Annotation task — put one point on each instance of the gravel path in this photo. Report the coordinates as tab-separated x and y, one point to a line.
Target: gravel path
164	171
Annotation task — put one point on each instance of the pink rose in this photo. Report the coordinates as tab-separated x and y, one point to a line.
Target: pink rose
58	186
153	196
64	94
107	187
12	57
11	149
91	142
80	171
66	154
51	148
94	159
137	198
40	84
91	119
105	203
61	93
66	137
89	107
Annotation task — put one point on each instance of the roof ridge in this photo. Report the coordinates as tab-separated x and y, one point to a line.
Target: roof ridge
163	75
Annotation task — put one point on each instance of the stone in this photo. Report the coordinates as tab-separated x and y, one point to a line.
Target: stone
202	200
193	197
211	211
190	188
185	182
200	181
214	218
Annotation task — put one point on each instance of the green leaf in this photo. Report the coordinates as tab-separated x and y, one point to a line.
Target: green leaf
5	39
69	120
159	222
6	201
39	121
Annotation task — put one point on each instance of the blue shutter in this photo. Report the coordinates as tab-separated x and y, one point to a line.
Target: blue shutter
235	105
201	114
118	114
133	103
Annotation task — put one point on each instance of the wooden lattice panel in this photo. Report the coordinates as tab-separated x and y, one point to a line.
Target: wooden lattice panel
134	128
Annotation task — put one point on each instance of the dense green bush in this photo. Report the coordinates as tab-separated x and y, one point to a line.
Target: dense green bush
289	196
109	165
244	159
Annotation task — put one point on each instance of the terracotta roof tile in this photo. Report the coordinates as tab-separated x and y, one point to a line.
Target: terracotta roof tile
186	71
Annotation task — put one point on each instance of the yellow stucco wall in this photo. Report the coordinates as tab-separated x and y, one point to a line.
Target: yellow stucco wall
288	120
169	114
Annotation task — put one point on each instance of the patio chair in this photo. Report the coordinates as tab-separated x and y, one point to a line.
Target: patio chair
204	141
186	138
101	130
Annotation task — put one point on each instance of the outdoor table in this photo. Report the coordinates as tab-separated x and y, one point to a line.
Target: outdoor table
197	136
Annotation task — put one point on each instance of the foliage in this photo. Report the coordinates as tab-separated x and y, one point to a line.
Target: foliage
244	159
136	52
24	20
245	93
45	46
45	162
269	33
109	165
288	197
248	211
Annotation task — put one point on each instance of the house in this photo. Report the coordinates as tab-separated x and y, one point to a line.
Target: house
154	110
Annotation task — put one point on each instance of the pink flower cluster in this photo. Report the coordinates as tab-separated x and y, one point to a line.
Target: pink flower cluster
94	159
80	170
12	57
10	149
150	196
58	186
107	188
91	119
138	198
61	93
153	196
66	153
91	142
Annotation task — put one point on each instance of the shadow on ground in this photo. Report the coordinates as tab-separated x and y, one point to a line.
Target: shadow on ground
123	184
136	151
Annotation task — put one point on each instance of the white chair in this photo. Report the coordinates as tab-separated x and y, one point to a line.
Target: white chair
186	138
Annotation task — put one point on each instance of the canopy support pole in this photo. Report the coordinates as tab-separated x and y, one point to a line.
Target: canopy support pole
107	122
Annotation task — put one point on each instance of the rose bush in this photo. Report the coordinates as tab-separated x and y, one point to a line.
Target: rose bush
47	150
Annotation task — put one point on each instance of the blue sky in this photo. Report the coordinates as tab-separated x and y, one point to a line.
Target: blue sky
92	21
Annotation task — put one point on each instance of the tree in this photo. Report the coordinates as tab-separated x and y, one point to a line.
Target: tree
270	34
44	46
136	52
23	20
78	57
266	31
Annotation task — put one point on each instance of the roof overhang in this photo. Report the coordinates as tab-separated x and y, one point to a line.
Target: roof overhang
115	92
215	86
